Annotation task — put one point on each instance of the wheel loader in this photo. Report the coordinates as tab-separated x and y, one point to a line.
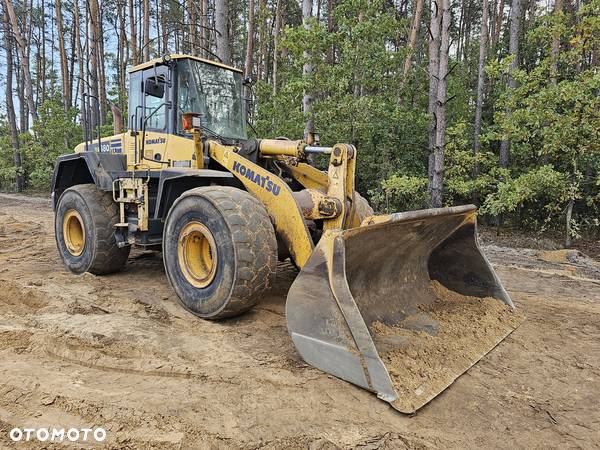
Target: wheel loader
223	208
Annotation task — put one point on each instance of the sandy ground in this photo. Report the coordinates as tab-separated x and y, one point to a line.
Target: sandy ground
119	352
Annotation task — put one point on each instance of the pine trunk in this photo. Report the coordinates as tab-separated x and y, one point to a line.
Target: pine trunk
79	49
204	30
461	27
133	34
276	35
23	111
309	130
101	69
192	27
568	218
146	38
10	109
262	36
24	58
480	83
122	56
222	31
94	61
164	28
434	65
330	29
71	59
498	26
249	40
412	39
437	181
41	74
515	20
467	33
64	68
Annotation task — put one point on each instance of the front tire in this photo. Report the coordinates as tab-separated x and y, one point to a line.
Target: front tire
84	230
219	251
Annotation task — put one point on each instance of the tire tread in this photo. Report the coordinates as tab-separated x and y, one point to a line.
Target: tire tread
108	256
254	241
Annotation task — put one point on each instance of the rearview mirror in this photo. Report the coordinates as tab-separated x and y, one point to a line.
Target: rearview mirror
155	87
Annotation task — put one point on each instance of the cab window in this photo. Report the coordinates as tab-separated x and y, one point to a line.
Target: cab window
215	94
155	110
135	100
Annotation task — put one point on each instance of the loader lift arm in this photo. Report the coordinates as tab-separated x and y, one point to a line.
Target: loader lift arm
274	194
328	197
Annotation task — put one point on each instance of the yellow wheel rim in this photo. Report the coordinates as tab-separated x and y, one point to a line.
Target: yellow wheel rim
197	254
74	232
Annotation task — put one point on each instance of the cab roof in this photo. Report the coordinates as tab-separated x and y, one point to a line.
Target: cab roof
181	56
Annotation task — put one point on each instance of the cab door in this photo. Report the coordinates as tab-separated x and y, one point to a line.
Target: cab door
149	114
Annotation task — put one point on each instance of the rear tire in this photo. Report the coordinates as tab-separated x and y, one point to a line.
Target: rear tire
84	229
219	251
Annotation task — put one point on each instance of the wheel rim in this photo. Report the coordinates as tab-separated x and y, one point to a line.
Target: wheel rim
74	232
197	254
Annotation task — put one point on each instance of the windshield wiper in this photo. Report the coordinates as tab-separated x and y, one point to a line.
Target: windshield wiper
210	132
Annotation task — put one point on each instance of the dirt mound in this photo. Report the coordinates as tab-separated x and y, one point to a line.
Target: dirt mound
125	354
17	340
78	308
17	300
559	256
12	229
571	257
424	363
565	262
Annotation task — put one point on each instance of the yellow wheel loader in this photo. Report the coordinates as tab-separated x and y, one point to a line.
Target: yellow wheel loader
400	304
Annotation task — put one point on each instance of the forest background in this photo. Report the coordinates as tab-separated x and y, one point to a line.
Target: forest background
492	102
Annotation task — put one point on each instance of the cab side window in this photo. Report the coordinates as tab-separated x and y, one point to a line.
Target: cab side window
158	121
135	100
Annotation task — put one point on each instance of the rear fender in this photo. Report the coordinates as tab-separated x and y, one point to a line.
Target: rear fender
85	167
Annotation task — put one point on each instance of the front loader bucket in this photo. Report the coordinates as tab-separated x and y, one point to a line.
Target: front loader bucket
401	307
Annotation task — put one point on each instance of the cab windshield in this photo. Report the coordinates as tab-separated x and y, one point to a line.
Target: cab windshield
213	92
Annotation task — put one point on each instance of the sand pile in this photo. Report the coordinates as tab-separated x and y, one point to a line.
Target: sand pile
422	364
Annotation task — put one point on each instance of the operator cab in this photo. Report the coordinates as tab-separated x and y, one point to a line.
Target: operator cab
162	90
